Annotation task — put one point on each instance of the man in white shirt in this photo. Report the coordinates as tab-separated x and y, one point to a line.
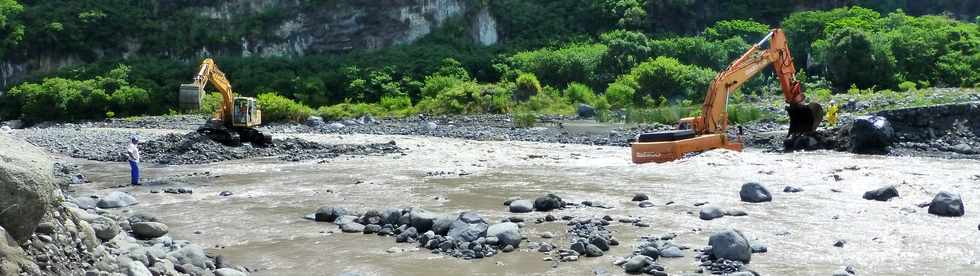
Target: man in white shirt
133	154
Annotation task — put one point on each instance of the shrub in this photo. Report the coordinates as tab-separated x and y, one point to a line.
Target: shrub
620	93
744	113
524	119
549	101
527	86
68	99
276	108
211	103
665	77
579	93
350	110
906	86
746	29
559	67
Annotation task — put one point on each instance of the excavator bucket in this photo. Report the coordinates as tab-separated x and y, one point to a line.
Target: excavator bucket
190	97
804	119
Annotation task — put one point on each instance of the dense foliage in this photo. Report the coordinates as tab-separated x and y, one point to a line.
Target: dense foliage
554	54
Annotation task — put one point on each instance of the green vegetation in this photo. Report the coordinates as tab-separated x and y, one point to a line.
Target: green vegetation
649	60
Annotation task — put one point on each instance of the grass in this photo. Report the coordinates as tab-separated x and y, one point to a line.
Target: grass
524	119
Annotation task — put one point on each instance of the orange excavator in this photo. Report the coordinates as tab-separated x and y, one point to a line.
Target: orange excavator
709	130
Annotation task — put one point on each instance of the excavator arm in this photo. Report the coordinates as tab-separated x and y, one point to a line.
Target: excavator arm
209	72
803	118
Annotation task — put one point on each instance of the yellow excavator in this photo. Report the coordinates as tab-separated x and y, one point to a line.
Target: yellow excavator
234	121
709	131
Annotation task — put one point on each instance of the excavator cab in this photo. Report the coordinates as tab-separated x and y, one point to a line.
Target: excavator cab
245	112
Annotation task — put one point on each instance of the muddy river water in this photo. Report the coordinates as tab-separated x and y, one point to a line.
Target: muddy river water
262	226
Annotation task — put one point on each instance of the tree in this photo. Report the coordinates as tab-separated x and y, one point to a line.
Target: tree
855	57
11	31
663	77
746	29
626	49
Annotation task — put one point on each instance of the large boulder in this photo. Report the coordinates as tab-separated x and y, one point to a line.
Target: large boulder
881	194
26	187
870	134
190	254
372	217
329	214
391	215
116	199
754	193
507	233
585	111
521	206
13	259
710	213
421	219
105	228
548	203
442	223
947	204
730	244
636	264
468	227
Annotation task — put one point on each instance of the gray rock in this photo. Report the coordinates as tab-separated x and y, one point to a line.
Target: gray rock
372	228
511	199
228	272
792	189
443	223
13	258
710	213
650	251
508	248
671	252
345	220
391	215
947	204
137	269
869	134
548	202
191	255
600	242
637	263
150	230
646	204
372	217
336	125
26	187
754	193
640	197
881	194
759	247
105	228
116	199
421	219
735	213
314	121
585	111
521	206
730	244
85	202
329	214
410	234
352	227
468	227
592	251
507	233
579	247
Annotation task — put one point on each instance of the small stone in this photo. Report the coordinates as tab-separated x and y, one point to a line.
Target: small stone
550	218
671	252
640	197
759	247
839	243
881	194
637	263
570	258
710	213
792	189
735	213
225	193
521	206
593	251
508	248
754	193
393	250
352	227
547	235
646	204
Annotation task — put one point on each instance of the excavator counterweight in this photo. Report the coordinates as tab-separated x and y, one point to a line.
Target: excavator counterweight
709	130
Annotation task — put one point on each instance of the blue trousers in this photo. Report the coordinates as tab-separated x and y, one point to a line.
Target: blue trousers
134	172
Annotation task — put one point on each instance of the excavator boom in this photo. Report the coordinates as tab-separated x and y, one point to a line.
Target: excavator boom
709	131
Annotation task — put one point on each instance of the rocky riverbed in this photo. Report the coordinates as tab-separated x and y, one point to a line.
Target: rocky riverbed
423	204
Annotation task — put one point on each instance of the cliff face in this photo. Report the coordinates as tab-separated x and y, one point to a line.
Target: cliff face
282	28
